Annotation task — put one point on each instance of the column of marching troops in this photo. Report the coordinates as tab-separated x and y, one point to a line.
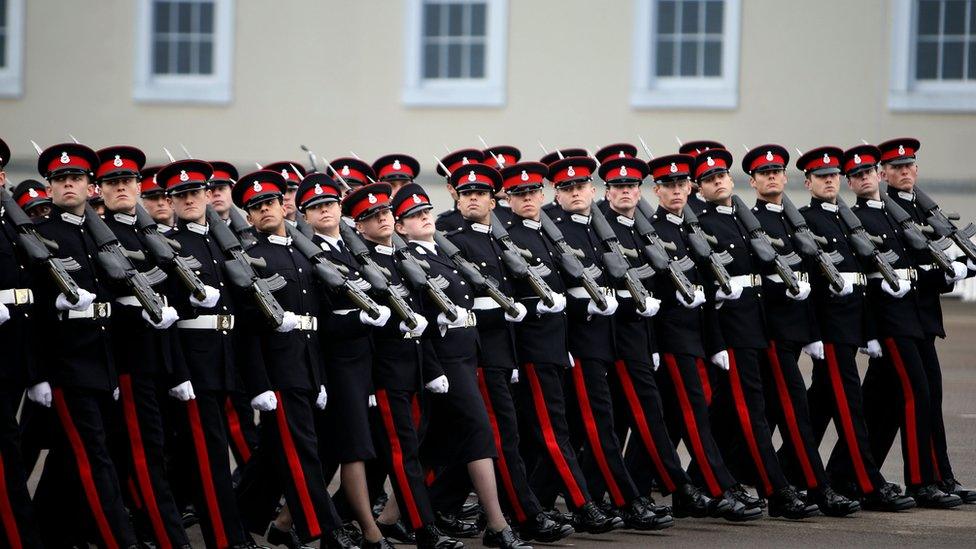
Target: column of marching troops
520	349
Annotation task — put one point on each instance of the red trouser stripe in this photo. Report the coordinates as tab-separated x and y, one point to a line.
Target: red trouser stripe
743	410
84	471
847	424
502	462
549	435
133	492
203	462
295	466
705	383
236	433
415	411
789	413
7	511
911	432
139	462
643	429
589	423
399	470
697	448
935	462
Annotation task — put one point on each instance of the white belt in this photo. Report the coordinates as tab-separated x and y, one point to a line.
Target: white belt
484	304
17	296
307	323
904	274
208	322
800	275
856	279
133	301
580	292
94	311
747	281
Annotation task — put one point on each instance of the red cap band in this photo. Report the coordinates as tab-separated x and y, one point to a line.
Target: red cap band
524	178
711	164
118	163
492	160
571	172
859	160
825	161
901	151
221	175
464	161
416	200
68	161
369	201
39	194
395	168
671	169
768	158
319	190
184	177
257	188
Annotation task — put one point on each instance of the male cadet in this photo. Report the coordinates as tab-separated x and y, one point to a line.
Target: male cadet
896	389
636	398
146	352
353	171
18	528
738	409
499	157
347	351
835	390
281	366
155	200
792	329
396	169
293	173
450	220
33	198
543	354
680	328
593	347
900	172
693	148
497	365
398	356
77	375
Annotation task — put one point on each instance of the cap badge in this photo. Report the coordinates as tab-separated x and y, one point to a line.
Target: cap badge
857	158
464	160
65	158
901	149
623	171
674	168
500	160
416	199
769	156
371	198
32	192
826	158
257	187
709	161
396	164
525	176
571	172
471	176
345	170
318	189
117	162
621	154
184	176
284	173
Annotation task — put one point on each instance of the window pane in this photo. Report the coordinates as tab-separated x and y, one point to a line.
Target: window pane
713	16
972	19
713	58
454	61
689	58
160	57
161	16
954	18
665	58
689	16
927	61
454	19
206	17
477	61
432	19
182	57
952	60
972	61
183	17
478	19
3	50
665	17
432	61
928	17
205	57
3	13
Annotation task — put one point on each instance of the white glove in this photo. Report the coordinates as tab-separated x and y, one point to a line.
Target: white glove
289	321
651	306
265	402
803	291
697	300
558	305
970	265
438	385
462	317
959	274
656	360
169	317
873	349
371	401
213	295
515	377
4	313
183	391
815	349
115	394
721	359
903	287
736	292
416	332
593	309
522	311
322	399
85	299
41	394
572	361
848	289
379	321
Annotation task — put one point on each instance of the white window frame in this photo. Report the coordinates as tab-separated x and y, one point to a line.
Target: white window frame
648	91
12	76
215	89
905	94
456	92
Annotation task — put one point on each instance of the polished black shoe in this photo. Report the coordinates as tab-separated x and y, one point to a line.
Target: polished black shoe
379	504
740	494
831	503
638	515
932	497
470	510
689	501
249	545
287	538
952	486
354	533
397	532
337	539
786	503
189	517
455	527
733	510
430	537
506	539
544	529
590	519
655	507
559	516
383	543
888	498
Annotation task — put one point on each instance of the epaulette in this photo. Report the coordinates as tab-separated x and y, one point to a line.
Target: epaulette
453	232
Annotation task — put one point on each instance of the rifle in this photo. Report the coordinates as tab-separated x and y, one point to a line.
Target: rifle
914	237
416	272
39	249
809	245
474	276
866	245
656	252
240	227
165	252
615	261
516	261
117	263
331	274
378	277
240	269
571	264
701	244
762	244
943	226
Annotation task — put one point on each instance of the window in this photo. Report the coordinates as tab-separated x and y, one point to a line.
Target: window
455	52
686	54
11	48
933	56
184	51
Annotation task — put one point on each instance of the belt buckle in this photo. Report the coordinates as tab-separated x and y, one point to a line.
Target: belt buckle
471	321
100	310
755	280
803	276
225	322
23	296
912	274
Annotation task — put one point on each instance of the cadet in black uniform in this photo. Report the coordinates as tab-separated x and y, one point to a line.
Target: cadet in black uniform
33	198
696	201
450	220
155	200
293	173
499	157
396	169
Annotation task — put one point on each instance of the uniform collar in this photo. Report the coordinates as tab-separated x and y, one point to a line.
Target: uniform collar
675	219
480	228
867	202
331	240
532	224
428	246
829	206
776	208
125	219
722	209
580	218
72	218
625	221
503	203
904	195
162	227
383	249
279	240
197	228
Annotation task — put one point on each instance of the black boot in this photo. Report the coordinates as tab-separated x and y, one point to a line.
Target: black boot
888	498
470	510
590	519
740	494
638	515
544	529
337	539
455	527
429	537
786	503
733	510
397	532
833	504
288	538
932	497
952	486
506	539
689	501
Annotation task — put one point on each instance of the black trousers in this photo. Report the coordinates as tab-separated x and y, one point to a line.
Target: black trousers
835	394
738	415
896	396
933	372
18	527
686	416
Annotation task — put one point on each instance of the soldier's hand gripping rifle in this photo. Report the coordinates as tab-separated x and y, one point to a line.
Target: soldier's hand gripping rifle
866	246
762	244
943	226
416	272
615	261
378	277
810	245
657	253
701	244
916	239
240	269
571	265
166	253
474	276
38	248
517	263
116	261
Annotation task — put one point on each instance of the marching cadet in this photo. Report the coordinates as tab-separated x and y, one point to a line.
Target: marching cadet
396	169
95	199
353	171
499	157
293	173
281	366
33	198
900	171
78	375
146	353
680	328
738	409
845	325
696	201
899	371
450	220
593	345
792	329
347	352
155	200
